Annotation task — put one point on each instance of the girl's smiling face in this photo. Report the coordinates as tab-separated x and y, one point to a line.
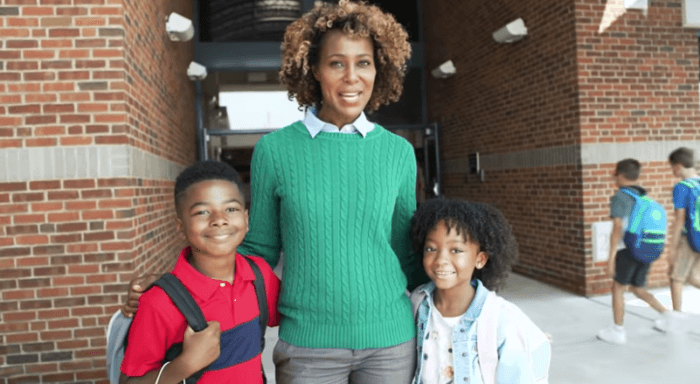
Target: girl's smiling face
449	258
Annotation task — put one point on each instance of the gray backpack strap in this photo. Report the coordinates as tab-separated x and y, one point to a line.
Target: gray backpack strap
417	297
116	334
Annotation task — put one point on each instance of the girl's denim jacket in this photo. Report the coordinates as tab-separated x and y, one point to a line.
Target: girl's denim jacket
513	365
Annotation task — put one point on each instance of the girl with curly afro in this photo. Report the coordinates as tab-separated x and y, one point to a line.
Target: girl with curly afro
336	193
468	249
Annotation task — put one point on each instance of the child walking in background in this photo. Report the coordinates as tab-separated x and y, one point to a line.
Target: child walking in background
625	269
465	333
684	260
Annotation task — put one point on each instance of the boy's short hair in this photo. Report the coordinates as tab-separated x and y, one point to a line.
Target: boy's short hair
477	222
205	170
683	156
629	168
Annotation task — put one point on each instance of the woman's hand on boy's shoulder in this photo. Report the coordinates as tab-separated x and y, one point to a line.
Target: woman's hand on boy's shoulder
136	289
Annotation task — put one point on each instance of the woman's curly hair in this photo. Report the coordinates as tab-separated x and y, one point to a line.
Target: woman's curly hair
301	46
478	222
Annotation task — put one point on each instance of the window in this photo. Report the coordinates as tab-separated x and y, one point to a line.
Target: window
251	110
691	13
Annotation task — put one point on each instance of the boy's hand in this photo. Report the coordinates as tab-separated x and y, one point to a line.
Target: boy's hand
136	288
200	349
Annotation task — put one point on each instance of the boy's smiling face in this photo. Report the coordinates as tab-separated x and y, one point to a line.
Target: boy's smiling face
213	218
449	260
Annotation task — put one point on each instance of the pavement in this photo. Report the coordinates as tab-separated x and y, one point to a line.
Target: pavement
578	356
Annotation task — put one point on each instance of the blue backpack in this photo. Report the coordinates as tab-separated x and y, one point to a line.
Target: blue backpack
692	213
646	231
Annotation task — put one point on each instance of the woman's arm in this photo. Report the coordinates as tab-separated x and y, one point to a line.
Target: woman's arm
263	238
401	221
136	289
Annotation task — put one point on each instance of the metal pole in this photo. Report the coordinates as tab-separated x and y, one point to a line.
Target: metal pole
436	132
199	113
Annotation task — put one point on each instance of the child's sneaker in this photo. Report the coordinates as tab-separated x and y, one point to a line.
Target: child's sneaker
614	334
669	322
663	323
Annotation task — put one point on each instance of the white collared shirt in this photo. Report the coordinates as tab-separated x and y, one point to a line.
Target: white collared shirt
315	125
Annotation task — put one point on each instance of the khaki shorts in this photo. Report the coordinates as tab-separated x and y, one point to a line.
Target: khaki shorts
687	263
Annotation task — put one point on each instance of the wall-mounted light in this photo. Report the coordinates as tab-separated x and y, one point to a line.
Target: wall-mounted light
179	28
511	32
445	69
196	71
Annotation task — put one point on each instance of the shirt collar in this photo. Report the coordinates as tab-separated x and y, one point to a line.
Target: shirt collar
477	304
201	286
315	125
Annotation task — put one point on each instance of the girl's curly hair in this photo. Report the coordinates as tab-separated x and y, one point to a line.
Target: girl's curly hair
301	46
478	222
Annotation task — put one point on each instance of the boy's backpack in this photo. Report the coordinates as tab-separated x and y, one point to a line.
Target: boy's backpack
118	329
533	341
692	213
646	230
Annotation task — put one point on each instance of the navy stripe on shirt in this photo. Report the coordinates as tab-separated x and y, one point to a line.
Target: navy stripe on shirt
238	344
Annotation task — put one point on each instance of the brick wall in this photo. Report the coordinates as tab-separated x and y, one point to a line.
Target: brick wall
638	82
551	115
511	99
542	204
96	120
161	121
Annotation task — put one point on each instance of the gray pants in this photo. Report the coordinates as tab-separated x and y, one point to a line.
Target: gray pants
391	365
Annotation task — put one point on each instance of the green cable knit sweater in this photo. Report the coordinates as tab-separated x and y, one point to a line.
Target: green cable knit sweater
339	206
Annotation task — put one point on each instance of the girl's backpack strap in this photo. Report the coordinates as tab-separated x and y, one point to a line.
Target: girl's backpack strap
417	297
487	337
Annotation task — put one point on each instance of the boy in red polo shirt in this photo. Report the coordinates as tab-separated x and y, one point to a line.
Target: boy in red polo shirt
211	215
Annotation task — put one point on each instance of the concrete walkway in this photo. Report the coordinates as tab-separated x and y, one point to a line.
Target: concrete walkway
579	357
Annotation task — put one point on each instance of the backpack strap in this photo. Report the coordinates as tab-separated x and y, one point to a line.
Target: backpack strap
417	297
487	337
183	300
259	283
690	183
632	191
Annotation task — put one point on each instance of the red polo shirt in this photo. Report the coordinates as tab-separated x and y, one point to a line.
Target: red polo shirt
158	324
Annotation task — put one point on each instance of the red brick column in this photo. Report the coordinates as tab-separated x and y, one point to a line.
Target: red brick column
96	120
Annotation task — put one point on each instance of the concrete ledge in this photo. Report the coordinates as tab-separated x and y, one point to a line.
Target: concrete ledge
587	154
80	162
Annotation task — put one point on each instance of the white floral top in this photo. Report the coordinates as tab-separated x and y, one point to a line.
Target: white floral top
438	364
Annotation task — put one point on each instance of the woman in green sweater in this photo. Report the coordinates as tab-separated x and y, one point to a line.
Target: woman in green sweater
336	193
